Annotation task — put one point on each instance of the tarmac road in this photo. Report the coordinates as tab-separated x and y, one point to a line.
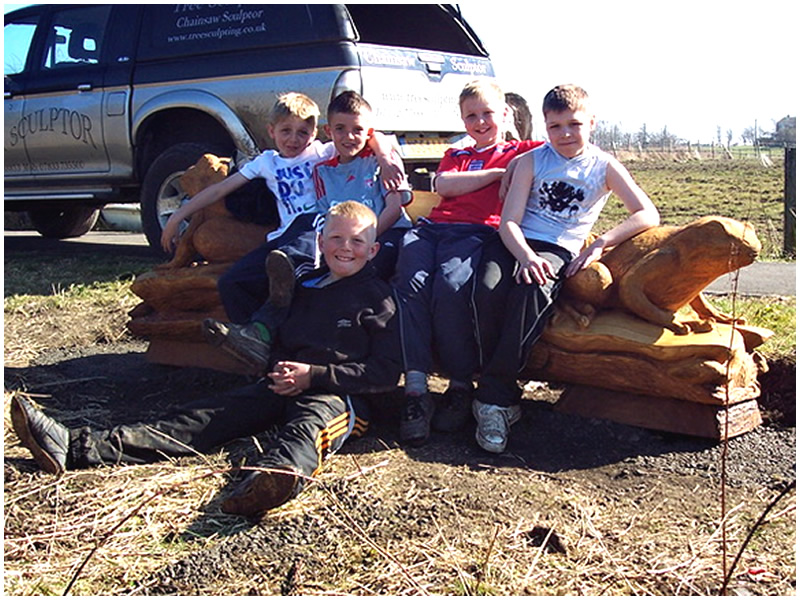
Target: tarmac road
759	279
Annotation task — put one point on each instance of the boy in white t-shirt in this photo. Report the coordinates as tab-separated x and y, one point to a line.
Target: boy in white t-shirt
291	248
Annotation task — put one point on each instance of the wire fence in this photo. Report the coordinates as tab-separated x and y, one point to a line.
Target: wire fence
689	151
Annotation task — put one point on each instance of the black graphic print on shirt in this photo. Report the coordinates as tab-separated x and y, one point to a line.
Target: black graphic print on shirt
559	196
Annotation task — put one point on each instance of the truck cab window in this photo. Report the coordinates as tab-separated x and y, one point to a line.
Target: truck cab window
17	38
76	37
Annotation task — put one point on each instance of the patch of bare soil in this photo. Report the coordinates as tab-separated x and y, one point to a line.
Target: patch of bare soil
575	506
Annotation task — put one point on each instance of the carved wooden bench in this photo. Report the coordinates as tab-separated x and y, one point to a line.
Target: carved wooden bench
622	358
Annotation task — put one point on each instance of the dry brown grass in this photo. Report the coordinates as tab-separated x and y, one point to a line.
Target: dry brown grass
382	527
128	514
64	319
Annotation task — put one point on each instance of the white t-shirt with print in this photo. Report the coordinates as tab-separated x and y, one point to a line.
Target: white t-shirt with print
290	179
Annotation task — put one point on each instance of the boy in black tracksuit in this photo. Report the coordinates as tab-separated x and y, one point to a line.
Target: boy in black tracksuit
338	340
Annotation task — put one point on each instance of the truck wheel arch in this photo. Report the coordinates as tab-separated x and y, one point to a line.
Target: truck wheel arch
190	117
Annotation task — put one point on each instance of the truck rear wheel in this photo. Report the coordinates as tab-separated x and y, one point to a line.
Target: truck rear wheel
161	193
61	222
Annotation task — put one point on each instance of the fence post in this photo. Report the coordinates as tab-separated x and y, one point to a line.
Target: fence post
789	200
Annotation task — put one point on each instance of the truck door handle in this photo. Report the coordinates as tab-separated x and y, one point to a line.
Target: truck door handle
85	87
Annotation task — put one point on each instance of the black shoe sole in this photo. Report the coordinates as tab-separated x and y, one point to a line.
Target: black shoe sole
265	491
280	271
217	339
21	423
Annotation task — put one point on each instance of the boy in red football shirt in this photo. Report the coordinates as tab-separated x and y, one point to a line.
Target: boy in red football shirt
439	258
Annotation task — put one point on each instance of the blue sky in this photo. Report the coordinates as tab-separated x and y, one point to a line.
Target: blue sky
691	66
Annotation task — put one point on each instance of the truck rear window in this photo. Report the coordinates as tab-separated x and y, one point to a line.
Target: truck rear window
426	26
185	29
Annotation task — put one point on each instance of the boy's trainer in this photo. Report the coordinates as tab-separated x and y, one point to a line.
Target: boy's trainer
47	439
247	343
415	421
452	413
494	423
260	492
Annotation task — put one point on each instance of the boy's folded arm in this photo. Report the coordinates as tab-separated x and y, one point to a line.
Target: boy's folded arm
456	183
368	377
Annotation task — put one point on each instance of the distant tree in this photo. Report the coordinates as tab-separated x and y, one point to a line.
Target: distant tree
749	135
601	135
663	138
730	137
642	138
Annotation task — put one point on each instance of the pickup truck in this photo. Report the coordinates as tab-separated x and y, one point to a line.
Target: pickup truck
111	103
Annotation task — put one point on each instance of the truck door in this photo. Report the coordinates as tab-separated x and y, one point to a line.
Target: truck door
18	39
64	98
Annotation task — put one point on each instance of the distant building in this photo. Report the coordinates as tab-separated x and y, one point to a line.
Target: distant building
786	130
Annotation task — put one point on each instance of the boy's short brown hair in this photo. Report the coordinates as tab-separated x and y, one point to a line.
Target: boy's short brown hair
485	89
565	97
349	103
350	209
294	104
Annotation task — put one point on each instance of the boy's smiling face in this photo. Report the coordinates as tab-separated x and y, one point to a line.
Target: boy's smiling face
347	244
483	120
292	135
569	131
350	134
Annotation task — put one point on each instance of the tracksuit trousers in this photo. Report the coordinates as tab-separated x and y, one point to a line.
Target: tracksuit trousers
433	284
244	288
312	426
519	320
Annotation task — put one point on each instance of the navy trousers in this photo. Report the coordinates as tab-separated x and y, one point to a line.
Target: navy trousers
244	288
434	282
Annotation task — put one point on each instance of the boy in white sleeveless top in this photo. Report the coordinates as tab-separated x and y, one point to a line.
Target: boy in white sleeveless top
556	194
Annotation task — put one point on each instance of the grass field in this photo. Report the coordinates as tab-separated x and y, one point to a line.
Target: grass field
741	189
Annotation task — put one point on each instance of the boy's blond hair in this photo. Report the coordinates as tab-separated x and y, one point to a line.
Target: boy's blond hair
565	97
485	89
350	209
294	104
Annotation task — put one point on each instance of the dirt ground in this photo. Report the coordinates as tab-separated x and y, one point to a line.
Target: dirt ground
575	506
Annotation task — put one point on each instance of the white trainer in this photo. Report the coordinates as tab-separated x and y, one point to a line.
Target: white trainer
494	424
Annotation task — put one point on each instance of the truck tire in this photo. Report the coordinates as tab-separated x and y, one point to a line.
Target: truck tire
161	192
63	222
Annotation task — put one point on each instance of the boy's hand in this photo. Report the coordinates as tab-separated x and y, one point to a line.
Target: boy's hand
290	378
535	269
169	235
585	258
392	175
